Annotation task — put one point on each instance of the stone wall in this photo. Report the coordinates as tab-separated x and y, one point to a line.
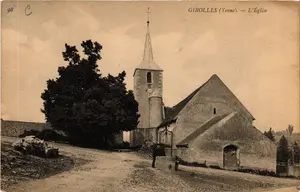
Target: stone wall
16	128
197	112
139	136
164	138
256	151
215	158
294	170
155	107
213	99
182	130
214	96
142	95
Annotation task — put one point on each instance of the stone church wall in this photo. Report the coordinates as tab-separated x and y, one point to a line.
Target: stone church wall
256	151
139	136
155	111
142	96
164	138
214	98
180	131
197	112
150	109
200	109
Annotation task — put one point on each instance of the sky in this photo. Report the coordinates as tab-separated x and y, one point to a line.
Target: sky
255	55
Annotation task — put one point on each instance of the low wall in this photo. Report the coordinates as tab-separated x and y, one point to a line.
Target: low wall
294	170
16	128
254	161
215	158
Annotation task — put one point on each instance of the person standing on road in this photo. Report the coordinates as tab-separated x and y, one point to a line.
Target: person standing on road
154	155
176	163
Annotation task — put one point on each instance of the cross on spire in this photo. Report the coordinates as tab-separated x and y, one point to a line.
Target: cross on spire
148	14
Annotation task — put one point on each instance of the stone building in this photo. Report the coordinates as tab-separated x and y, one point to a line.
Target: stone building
209	126
148	85
212	126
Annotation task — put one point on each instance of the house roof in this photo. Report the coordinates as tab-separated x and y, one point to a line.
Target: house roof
171	113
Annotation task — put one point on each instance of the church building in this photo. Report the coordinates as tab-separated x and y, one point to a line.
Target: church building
148	85
209	126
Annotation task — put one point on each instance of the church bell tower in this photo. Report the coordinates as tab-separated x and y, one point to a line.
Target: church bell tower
148	90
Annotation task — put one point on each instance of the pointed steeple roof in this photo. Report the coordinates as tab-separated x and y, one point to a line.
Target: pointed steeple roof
148	62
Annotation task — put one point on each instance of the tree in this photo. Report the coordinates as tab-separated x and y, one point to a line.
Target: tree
270	134
283	152
296	150
290	129
88	107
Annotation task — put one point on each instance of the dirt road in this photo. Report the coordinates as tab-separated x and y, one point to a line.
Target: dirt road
128	172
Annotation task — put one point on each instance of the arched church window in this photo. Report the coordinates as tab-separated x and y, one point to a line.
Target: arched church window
149	77
215	111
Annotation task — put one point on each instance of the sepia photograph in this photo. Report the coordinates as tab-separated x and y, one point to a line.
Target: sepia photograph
161	96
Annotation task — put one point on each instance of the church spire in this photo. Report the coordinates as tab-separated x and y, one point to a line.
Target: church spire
148	54
148	62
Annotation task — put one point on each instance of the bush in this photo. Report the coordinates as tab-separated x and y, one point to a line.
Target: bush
123	145
258	172
46	135
192	164
29	132
215	167
126	145
50	135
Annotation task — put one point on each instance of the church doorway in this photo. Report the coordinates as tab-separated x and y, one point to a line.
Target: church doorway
230	157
